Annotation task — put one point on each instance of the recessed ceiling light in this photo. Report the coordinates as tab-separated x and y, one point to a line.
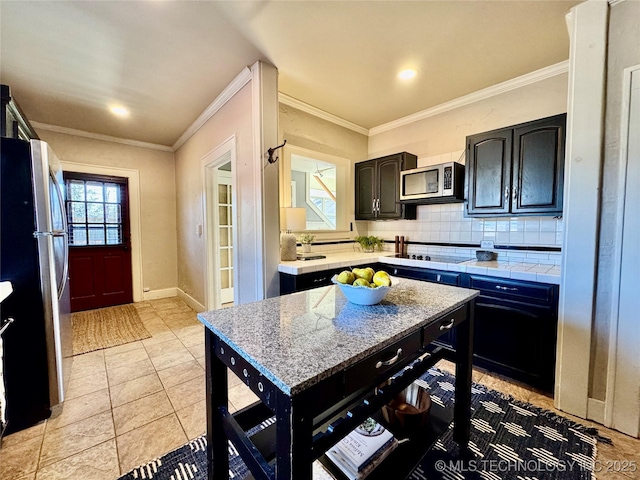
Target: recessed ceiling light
407	74
119	111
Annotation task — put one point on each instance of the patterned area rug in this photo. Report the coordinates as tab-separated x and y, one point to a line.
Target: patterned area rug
106	327
509	440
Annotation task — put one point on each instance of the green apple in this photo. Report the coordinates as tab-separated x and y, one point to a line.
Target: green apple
361	282
365	273
346	277
381	278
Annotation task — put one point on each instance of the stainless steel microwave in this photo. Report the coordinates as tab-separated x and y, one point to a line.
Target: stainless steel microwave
434	184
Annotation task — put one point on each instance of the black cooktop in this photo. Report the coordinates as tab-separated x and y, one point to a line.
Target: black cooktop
434	258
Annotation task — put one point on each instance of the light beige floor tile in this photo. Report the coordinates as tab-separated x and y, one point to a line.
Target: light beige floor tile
240	396
193	419
150	441
134	389
127	347
87	364
167	313
196	350
126	358
76	437
129	372
171	359
23	435
187	393
233	379
79	386
162	304
180	373
134	414
162	337
30	476
19	459
97	463
80	408
502	385
191	335
202	362
165	348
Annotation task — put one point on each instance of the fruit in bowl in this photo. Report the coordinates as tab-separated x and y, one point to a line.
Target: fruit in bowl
364	286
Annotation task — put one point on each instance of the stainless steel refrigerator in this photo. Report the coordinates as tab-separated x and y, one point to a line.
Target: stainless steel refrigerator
34	257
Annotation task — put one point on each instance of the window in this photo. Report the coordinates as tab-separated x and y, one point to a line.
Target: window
95	210
318	182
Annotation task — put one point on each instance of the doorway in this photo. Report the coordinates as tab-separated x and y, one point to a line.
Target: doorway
221	275
99	240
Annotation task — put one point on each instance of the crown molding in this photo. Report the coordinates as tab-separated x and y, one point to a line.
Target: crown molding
227	94
514	83
99	136
615	2
316	112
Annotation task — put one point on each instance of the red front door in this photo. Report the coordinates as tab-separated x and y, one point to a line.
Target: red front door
99	241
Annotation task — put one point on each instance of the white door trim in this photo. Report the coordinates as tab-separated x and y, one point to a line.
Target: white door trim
134	215
211	161
621	405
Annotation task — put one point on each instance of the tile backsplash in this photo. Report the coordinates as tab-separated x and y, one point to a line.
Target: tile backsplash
447	224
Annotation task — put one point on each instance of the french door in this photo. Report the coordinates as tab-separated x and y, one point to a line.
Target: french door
99	241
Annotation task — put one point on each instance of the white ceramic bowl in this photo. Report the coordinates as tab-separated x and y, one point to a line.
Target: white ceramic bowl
363	295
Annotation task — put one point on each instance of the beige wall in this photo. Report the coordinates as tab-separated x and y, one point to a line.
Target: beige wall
234	118
157	196
446	132
308	131
313	133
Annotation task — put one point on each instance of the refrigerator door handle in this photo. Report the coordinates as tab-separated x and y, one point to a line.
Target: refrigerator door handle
65	235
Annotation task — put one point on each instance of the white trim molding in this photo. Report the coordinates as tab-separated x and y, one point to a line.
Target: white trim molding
161	293
99	136
227	94
189	300
500	88
587	24
316	112
134	216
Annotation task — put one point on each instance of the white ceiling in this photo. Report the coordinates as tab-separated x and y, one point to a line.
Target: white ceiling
166	61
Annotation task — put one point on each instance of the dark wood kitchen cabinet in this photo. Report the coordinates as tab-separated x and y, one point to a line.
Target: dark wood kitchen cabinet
377	186
517	170
515	328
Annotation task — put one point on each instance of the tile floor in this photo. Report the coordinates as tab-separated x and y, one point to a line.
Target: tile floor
129	404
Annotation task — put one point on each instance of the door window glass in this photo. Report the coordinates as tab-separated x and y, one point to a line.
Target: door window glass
94	212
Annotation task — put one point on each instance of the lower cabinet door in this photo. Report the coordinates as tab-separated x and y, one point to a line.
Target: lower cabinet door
516	340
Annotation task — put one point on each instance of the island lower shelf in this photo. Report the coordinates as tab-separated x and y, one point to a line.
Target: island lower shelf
398	465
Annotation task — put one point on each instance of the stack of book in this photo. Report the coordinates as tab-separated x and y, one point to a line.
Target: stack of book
357	454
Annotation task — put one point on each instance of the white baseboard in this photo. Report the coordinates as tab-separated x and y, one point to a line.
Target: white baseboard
163	293
189	300
595	410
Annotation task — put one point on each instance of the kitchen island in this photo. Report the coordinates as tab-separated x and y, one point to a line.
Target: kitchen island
321	365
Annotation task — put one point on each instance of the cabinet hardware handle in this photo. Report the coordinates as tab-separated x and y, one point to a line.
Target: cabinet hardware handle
448	325
506	194
515	194
439	278
378	205
316	280
391	361
511	289
373	206
6	324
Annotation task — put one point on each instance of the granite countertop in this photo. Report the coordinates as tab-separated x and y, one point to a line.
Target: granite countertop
298	340
531	271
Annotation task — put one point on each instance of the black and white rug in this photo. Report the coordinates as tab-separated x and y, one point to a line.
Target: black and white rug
509	440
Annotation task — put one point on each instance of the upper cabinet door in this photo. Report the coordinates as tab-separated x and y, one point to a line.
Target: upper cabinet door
365	177
388	205
538	166
489	172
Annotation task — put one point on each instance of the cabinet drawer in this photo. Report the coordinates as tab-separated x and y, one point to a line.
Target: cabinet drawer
517	290
392	357
417	273
443	324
